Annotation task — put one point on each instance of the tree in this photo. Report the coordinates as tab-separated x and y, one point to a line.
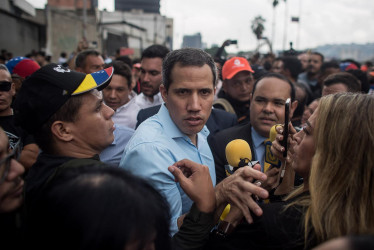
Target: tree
258	26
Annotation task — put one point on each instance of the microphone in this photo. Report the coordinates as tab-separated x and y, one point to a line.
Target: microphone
238	154
271	159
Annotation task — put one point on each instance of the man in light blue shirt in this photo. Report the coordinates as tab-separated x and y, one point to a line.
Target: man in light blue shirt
113	153
178	130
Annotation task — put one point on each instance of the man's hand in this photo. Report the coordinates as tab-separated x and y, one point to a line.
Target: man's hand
272	178
237	189
235	216
196	182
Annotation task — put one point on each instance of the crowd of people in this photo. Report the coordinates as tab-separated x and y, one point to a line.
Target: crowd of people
125	153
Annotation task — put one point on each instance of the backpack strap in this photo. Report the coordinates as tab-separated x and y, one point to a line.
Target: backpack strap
225	104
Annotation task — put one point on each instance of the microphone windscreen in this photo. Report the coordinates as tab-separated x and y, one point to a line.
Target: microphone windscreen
236	150
269	157
273	133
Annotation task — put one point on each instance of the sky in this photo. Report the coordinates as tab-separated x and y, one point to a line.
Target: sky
321	21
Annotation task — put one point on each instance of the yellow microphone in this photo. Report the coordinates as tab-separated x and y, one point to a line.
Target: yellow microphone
238	154
269	157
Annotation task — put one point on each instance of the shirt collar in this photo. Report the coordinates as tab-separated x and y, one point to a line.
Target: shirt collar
125	105
257	138
115	133
157	98
171	128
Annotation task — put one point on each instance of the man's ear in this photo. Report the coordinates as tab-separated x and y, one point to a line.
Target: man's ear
62	131
250	97
164	92
224	85
293	107
13	89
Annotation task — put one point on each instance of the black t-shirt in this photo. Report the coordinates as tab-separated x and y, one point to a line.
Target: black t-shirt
241	108
278	228
14	132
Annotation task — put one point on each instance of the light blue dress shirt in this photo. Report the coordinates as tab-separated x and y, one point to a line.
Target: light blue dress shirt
158	144
113	153
258	142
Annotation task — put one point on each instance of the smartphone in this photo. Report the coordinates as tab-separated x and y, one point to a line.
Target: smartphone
285	128
234	42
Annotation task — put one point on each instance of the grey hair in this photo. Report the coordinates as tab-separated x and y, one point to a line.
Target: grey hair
3	67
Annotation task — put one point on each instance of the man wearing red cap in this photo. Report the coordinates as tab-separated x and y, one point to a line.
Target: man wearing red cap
267	108
20	68
236	88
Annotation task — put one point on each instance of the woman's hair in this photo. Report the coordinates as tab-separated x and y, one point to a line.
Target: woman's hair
96	207
341	181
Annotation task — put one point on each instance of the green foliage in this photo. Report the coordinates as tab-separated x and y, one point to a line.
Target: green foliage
258	26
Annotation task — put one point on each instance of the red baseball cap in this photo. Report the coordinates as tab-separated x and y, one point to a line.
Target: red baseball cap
235	65
22	66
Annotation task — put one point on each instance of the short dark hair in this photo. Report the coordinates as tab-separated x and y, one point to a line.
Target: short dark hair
99	207
122	69
301	102
40	53
293	65
80	60
362	77
280	77
349	80
154	51
318	54
125	59
330	64
68	112
186	57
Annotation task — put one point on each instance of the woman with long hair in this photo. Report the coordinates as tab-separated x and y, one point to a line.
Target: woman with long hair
341	181
334	153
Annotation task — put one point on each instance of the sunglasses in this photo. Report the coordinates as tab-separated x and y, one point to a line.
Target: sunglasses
5	85
6	162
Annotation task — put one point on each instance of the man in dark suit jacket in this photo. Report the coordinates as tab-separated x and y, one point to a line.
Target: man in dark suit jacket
217	121
266	109
218	144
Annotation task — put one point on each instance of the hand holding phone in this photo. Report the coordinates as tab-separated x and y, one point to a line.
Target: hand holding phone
285	128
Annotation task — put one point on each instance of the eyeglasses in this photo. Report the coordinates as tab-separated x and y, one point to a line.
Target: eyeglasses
6	162
5	85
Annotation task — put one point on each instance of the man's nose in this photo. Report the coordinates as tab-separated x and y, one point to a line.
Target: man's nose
108	112
194	103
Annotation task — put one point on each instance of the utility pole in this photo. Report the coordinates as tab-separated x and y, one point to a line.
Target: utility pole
273	26
85	19
285	25
298	27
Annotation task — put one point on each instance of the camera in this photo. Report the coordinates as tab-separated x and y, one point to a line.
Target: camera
234	42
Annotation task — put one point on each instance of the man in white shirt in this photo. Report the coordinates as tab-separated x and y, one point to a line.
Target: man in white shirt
116	96
150	76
